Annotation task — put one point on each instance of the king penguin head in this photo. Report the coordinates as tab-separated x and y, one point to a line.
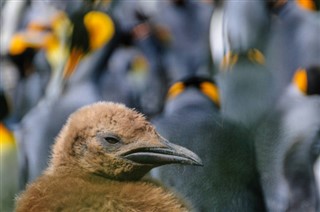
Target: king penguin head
115	142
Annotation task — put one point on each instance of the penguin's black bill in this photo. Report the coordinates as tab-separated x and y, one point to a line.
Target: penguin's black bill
158	156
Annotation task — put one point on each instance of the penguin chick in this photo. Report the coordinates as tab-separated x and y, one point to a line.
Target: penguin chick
97	162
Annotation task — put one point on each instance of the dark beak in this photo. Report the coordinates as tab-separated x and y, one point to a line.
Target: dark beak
166	154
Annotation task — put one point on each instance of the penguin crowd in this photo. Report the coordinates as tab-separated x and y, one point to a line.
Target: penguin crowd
97	95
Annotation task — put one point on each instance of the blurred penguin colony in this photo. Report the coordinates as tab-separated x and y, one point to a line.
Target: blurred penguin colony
236	82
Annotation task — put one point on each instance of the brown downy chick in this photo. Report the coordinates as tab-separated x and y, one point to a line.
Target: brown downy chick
98	161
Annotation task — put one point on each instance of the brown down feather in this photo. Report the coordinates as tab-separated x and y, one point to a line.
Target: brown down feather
84	175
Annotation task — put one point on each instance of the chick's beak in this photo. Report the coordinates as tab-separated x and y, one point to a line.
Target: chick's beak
166	153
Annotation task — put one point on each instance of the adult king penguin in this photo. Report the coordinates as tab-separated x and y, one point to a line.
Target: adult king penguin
83	33
229	180
287	143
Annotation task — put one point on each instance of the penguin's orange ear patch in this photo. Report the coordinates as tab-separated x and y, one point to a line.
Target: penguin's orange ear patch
6	139
229	60
256	56
300	80
101	28
176	89
307	4
26	39
212	91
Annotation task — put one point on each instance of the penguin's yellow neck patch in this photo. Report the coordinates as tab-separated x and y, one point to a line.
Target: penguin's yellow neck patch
300	80
176	89
101	28
256	56
306	4
140	64
23	40
211	90
17	45
231	58
6	137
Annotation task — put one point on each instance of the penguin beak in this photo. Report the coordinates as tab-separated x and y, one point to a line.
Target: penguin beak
167	153
75	56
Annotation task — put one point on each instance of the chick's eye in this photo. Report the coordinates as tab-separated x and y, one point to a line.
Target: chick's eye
111	140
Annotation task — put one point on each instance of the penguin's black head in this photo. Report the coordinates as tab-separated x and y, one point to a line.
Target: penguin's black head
275	5
206	85
179	3
115	142
90	30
